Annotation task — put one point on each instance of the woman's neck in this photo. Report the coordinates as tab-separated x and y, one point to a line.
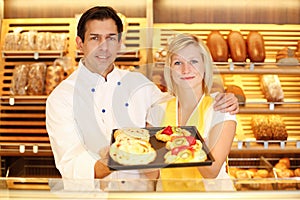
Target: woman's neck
188	99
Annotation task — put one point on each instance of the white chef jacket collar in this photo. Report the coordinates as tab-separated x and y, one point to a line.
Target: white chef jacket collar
88	72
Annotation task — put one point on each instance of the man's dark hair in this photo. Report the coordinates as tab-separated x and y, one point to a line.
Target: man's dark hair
98	13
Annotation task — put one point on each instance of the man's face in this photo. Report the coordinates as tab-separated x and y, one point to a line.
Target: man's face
100	46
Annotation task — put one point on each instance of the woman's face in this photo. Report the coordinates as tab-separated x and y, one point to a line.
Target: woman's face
100	45
187	68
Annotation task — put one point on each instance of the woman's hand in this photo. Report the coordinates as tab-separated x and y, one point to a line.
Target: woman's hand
226	102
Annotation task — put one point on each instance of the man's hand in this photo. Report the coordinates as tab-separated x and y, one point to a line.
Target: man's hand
100	168
226	102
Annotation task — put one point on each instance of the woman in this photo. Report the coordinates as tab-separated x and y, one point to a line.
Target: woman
189	77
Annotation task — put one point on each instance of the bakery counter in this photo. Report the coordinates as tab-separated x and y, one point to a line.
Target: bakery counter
52	189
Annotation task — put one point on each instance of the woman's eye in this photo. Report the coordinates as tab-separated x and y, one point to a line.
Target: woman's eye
194	61
177	63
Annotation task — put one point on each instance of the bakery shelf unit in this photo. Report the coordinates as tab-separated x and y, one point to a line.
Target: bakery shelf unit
247	76
22	117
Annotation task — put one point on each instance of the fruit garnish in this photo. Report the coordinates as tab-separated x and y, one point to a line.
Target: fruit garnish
168	130
176	150
191	140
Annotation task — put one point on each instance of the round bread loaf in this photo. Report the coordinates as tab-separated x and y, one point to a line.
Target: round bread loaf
256	47
237	46
218	46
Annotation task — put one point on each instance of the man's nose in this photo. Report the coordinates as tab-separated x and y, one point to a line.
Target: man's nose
103	43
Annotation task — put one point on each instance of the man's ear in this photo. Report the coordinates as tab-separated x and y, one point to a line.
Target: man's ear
79	43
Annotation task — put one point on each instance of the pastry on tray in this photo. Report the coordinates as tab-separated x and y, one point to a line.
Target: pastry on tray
168	132
132	147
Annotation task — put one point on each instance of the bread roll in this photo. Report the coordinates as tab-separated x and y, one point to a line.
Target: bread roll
218	46
237	46
271	88
297	172
256	47
238	92
263	173
243	174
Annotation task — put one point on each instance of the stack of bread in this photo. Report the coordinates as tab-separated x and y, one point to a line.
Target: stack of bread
283	170
269	127
132	147
288	56
255	174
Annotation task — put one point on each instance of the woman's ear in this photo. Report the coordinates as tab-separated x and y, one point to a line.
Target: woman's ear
79	43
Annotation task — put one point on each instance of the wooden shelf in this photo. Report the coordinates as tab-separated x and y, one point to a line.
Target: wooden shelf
33	54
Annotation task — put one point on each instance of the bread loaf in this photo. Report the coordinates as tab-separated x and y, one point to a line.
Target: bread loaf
269	127
271	88
256	47
19	80
261	128
238	92
237	46
218	46
36	79
54	75
278	127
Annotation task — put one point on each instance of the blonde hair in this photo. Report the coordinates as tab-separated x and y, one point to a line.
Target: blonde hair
179	42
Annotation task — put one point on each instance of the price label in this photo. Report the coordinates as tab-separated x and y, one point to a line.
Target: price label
231	66
36	55
35	148
22	148
272	106
11	101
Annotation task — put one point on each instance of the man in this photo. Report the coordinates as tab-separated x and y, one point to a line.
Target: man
98	97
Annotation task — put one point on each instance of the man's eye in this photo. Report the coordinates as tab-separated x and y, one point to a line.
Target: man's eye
112	38
94	38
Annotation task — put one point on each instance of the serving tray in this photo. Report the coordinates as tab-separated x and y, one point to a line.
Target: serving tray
161	150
